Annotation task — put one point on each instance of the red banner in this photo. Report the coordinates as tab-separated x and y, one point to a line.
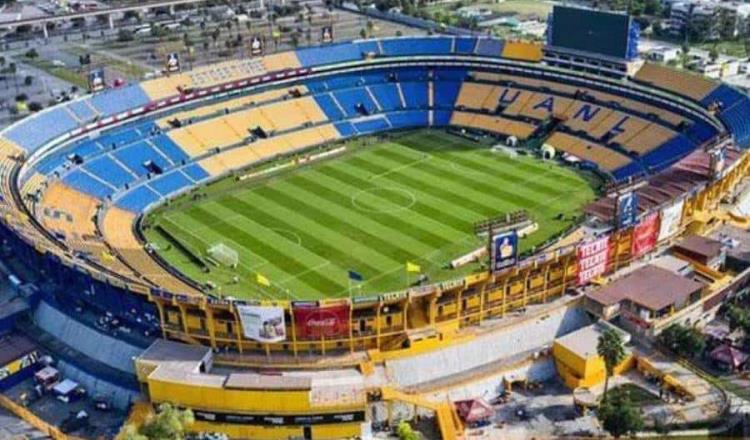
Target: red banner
593	258
315	322
645	235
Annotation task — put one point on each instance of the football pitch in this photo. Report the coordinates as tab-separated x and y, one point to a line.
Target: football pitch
413	198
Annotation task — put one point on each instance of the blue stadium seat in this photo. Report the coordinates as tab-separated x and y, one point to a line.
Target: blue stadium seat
195	172
736	117
408	119
28	135
445	94
465	45
726	95
164	144
82	110
490	47
345	128
105	168
371	125
668	153
387	96
138	199
415	94
700	131
136	155
633	169
169	183
417	46
83	182
351	98
329	107
329	54
115	101
441	118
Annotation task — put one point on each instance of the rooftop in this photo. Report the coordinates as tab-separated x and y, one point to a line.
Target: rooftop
650	286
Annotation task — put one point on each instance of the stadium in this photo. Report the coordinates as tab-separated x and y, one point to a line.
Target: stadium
329	209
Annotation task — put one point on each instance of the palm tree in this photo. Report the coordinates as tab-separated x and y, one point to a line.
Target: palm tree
611	348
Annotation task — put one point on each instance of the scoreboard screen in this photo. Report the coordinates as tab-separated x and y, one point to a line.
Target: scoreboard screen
604	33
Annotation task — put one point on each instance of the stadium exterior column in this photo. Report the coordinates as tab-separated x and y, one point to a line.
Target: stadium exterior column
351	327
404	316
482	293
377	325
160	309
183	318
505	296
545	283
237	327
459	297
566	265
211	325
294	330
526	287
433	309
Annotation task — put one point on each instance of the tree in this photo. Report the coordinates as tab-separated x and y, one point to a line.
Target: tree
169	423
713	53
405	431
31	54
619	416
685	341
611	348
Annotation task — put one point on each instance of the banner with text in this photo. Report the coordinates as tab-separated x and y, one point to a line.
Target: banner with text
315	322
593	259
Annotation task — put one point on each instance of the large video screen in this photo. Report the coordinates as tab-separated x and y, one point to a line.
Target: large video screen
604	33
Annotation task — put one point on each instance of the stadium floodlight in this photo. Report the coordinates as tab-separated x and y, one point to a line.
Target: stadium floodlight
223	254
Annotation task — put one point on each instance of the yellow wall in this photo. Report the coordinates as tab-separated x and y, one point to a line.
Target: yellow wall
334	431
577	371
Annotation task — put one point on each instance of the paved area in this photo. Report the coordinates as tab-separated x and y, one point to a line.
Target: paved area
13	428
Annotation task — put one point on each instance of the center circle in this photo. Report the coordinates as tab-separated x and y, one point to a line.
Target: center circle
383	200
289	235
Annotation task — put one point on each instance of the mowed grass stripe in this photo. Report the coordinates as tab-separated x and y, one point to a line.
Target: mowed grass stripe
385	246
258	262
440	186
473	184
331	202
446	218
425	141
285	260
319	239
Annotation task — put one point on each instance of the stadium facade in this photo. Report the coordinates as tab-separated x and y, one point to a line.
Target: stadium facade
76	179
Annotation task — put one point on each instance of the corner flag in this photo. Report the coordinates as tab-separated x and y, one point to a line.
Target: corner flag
413	268
263	281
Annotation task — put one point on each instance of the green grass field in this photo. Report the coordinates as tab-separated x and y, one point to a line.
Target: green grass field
414	198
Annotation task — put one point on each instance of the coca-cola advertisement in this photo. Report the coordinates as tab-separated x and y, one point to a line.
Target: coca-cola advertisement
325	321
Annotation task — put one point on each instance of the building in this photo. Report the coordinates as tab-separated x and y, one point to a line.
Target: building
702	250
576	359
644	296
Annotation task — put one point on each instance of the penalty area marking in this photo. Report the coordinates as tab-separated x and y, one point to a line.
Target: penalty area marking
384	210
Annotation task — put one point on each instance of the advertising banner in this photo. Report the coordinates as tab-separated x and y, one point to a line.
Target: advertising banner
669	224
504	250
326	34
96	80
627	209
328	321
262	324
173	62
593	258
645	234
256	46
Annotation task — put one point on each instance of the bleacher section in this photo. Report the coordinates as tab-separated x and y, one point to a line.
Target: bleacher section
27	135
733	108
676	81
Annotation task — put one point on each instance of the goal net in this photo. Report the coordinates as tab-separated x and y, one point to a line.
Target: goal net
224	254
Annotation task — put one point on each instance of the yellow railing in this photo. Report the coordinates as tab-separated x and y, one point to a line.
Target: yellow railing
33	420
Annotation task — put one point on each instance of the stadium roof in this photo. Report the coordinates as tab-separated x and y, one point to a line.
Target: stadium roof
650	286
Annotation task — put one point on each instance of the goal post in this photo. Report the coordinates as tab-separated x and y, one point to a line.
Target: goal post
223	254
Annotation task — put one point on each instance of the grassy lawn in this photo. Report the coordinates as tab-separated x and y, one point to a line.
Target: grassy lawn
414	198
126	69
639	396
512	7
64	73
731	48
